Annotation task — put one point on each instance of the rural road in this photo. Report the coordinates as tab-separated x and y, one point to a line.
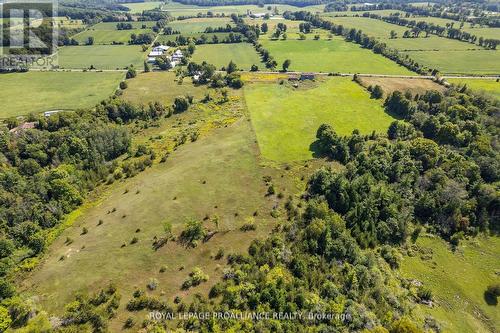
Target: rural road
492	77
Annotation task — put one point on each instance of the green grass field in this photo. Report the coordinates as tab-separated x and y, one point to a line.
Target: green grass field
458	281
489	87
371	27
196	25
108	36
101	56
23	93
336	55
286	119
220	35
177	9
460	62
243	54
383	12
112	25
139	7
432	43
161	87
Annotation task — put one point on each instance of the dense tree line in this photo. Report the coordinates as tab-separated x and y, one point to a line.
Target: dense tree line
211	3
438	169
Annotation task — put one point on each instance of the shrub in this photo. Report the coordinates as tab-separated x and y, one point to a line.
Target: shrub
195	278
123	85
152	284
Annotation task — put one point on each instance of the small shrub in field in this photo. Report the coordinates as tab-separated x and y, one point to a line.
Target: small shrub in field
134	240
195	278
85	231
152	284
220	254
129	322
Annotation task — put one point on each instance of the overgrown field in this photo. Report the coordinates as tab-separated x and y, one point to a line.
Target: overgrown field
160	87
190	185
139	7
286	119
23	93
334	55
459	62
458	281
101	56
242	54
489	87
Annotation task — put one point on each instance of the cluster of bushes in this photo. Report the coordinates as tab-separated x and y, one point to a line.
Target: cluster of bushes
195	278
181	40
266	57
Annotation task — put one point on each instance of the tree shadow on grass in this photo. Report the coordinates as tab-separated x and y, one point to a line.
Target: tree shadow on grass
490	299
315	148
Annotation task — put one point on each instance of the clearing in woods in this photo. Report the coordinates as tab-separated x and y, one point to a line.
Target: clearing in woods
286	118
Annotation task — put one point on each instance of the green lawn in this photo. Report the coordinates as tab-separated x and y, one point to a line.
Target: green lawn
334	55
101	56
458	281
161	87
489	87
195	25
460	62
286	120
243	54
23	93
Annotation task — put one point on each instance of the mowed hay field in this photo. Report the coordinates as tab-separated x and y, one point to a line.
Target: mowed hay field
160	87
459	62
101	56
242	54
489	87
371	27
190	185
23	93
390	84
286	119
334	55
458	280
195	25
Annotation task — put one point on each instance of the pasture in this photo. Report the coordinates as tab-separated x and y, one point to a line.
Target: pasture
160	87
196	25
382	12
101	56
220	36
488	87
286	119
242	54
112	25
459	62
23	93
458	280
334	55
